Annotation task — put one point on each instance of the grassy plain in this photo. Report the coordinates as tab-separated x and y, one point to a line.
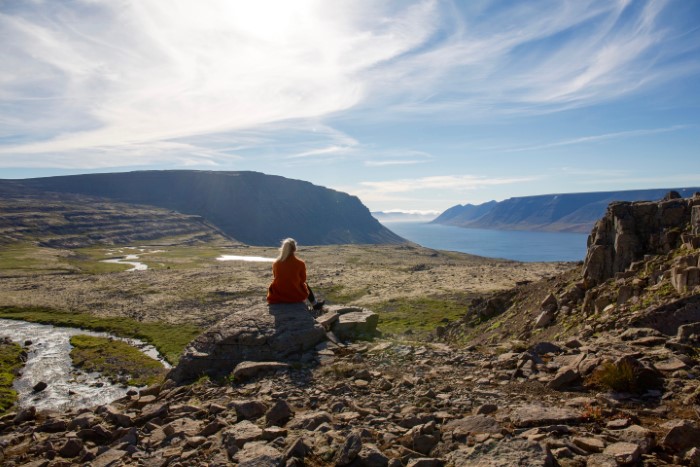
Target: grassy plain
186	289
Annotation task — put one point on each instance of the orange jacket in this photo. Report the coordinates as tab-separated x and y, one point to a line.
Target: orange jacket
288	282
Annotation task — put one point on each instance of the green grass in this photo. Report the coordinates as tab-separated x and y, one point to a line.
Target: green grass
169	339
339	294
418	315
28	257
10	363
116	360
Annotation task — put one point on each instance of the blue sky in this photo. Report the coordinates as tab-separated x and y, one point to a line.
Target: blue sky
410	105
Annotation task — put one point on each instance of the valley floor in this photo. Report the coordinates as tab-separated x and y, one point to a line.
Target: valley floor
187	285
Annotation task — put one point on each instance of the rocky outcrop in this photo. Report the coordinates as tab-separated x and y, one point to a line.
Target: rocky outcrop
259	333
629	231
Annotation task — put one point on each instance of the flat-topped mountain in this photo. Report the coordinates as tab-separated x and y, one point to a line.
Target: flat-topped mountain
571	212
250	207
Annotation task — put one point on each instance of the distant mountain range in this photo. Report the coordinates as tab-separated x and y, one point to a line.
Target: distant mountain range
570	212
251	207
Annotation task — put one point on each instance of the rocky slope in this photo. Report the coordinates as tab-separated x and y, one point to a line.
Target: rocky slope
70	221
253	208
570	212
567	371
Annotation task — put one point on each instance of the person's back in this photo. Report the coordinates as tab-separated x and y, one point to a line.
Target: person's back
289	281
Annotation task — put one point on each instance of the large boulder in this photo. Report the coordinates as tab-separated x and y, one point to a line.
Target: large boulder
260	333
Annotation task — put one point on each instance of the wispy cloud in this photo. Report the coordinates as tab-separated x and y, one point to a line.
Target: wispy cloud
99	83
597	138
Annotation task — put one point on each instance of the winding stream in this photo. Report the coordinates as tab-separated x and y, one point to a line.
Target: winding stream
128	259
49	361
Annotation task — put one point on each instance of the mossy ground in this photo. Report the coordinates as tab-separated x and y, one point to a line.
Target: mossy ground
169	339
10	363
116	360
421	315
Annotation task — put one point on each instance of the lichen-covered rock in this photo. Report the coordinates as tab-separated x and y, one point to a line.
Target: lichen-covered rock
259	333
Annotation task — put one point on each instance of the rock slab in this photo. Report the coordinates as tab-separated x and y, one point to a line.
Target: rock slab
260	333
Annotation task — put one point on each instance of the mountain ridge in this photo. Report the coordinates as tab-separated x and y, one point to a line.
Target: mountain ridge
561	212
251	207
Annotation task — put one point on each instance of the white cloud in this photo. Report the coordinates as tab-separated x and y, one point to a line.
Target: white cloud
454	182
104	83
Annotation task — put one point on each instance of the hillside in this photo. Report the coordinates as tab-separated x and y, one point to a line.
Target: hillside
251	207
71	221
571	212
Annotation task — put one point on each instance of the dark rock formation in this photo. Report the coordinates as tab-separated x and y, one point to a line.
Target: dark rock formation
259	333
629	231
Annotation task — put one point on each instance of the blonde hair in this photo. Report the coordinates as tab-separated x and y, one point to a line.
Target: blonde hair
289	246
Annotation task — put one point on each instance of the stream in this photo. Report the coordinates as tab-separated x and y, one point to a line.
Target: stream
49	361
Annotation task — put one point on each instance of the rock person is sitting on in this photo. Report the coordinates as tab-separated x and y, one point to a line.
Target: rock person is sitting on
289	278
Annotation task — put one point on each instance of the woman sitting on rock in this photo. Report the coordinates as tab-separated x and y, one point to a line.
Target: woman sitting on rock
289	278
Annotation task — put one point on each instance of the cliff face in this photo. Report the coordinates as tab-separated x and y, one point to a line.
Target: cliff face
253	208
629	231
569	212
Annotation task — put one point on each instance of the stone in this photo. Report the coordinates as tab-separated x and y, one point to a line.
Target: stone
601	460
544	319
564	377
278	414
24	415
354	323
681	435
71	448
259	454
246	370
310	421
473	424
249	410
485	409
108	458
371	456
242	433
549	303
425	462
685	331
510	452
589	444
213	427
642	437
327	319
670	365
650	341
624	453
257	333
40	386
539	415
349	450
542	348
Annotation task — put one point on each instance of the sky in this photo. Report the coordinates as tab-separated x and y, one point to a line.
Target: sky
410	105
